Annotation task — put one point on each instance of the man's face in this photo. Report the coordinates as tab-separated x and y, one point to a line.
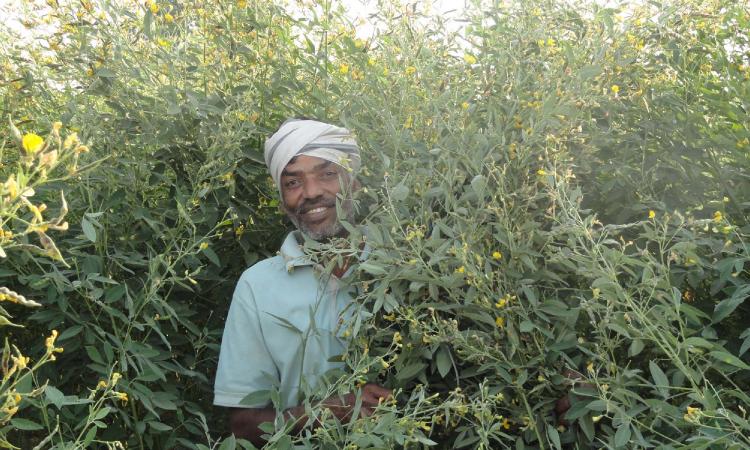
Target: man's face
308	189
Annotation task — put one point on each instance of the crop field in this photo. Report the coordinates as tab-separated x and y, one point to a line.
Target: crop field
556	195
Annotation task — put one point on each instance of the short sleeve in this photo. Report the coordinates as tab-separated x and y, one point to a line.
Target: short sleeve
245	364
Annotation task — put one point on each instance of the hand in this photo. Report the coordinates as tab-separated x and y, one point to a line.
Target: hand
343	406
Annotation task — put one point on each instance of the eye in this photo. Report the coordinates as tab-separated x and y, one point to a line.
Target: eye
291	183
330	173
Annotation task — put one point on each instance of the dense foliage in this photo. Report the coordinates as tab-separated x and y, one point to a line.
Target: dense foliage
556	198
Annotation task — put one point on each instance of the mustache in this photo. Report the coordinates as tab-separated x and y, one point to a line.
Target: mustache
308	205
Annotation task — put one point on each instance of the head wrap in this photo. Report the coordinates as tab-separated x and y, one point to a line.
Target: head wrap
312	138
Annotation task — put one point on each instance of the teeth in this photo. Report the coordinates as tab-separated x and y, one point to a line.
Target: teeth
316	210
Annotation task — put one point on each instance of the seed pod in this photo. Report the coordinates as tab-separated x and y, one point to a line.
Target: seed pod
14	297
14	130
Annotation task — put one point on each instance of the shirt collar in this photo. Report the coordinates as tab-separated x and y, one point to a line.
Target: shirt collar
294	255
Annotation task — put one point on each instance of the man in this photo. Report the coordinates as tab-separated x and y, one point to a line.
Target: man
283	325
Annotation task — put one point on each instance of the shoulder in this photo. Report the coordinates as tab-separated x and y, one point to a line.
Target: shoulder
263	273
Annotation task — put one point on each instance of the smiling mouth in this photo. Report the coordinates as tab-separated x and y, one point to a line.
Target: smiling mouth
316	210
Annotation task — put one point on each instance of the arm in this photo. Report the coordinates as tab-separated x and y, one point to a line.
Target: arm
245	422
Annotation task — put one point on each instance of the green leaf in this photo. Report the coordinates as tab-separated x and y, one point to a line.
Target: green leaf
443	361
729	358
94	354
597	405
587	426
372	268
622	435
212	256
410	370
636	346
105	73
70	332
88	229
257	398
399	192
229	443
102	413
90	435
727	306
660	379
746	343
54	396
159	426
554	436
25	424
587	72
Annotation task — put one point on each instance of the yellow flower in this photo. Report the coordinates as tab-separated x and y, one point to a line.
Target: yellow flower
384	363
541	172
500	322
343	69
469	58
651	214
465	105
359	43
49	343
410	70
397	337
590	367
121	396
204	245
101	384
153	7
32	143
501	303
116	377
692	414
718	216
21	361
169	18
496	255
505	423
371	61
615	88
461	269
70	140
11	186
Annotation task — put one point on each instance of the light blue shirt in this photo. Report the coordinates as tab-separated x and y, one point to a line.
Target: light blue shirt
285	322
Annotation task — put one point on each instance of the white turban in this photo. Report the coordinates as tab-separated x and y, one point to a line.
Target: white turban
312	138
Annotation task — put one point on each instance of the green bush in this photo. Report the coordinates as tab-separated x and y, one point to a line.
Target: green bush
556	199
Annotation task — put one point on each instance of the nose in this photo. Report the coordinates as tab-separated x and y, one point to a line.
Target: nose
312	189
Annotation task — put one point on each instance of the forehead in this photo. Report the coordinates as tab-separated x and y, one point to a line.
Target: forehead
306	163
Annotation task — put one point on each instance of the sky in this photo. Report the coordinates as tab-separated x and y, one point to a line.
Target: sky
356	10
